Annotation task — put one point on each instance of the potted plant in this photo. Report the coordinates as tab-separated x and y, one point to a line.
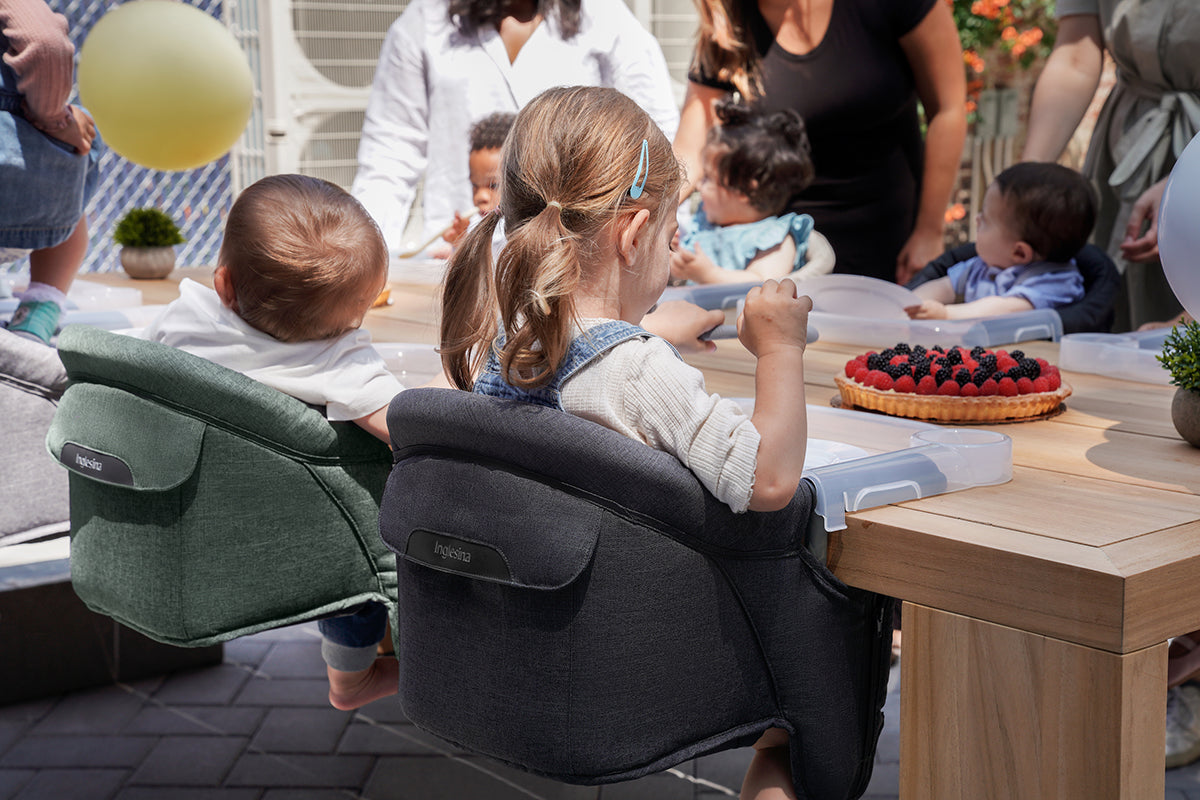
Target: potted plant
147	237
1181	357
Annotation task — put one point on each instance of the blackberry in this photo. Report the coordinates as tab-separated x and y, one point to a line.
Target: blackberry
920	369
944	374
954	356
876	361
902	349
988	362
1029	368
962	376
977	351
919	351
896	370
1016	355
888	353
979	377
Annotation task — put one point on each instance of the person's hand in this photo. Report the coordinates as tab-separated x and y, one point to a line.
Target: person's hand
696	267
1139	246
79	132
928	309
921	248
681	323
1182	318
457	228
774	318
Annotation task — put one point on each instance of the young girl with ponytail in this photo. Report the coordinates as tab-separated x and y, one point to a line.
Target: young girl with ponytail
588	190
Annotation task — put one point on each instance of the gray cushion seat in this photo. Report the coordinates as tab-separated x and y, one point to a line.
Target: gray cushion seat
574	603
205	505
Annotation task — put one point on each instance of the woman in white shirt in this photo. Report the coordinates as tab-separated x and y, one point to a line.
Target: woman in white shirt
447	63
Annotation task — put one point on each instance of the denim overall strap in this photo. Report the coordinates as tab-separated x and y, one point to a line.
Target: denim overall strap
583	350
10	102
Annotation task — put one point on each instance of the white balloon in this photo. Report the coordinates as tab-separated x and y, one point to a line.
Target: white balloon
1179	228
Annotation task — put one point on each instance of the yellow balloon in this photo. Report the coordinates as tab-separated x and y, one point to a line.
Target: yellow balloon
167	84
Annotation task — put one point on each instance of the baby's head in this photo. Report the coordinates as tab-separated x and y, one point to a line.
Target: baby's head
301	259
754	164
1035	211
487	137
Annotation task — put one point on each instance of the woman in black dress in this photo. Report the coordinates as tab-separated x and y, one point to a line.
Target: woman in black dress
855	70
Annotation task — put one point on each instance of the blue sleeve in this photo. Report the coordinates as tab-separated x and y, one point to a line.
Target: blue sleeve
1050	289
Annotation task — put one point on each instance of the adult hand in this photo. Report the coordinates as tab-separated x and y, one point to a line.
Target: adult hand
79	132
774	318
1139	246
921	248
681	323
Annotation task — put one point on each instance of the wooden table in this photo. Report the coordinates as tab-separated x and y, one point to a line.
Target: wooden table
1036	612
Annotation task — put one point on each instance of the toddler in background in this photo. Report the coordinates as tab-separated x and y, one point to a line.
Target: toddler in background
588	189
1035	218
487	137
300	263
754	164
49	156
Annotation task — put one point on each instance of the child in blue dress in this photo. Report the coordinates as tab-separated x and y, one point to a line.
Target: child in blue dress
587	195
1035	218
754	163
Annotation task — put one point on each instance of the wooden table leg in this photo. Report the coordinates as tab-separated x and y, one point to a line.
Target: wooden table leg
988	711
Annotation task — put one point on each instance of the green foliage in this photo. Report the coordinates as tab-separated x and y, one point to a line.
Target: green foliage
147	227
1181	355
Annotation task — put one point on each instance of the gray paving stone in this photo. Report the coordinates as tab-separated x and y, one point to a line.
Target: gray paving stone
78	751
263	691
311	794
298	659
454	779
12	780
301	730
187	793
72	784
208	686
246	651
299	770
190	761
400	738
10	732
196	720
662	786
27	713
105	710
726	769
306	632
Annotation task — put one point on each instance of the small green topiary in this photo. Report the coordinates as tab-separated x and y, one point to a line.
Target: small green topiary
1181	355
147	227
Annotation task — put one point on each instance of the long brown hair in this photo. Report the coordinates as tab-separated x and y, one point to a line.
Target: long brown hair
468	16
565	175
724	46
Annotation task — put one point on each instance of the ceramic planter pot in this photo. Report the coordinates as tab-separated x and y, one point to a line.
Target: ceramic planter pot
1185	413
148	262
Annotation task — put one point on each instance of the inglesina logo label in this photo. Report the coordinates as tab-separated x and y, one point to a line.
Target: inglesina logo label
89	463
451	552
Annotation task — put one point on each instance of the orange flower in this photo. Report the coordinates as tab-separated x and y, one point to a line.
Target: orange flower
1031	37
955	213
1008	34
971	106
972	60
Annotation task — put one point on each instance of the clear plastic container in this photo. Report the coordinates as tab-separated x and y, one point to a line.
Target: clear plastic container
86	295
985	332
412	363
1128	356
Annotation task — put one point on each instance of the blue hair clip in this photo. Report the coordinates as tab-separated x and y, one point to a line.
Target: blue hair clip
643	172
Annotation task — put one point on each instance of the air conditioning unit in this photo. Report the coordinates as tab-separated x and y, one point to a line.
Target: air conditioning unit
313	62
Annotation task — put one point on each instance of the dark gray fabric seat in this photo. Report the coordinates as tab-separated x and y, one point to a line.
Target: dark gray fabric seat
574	603
205	505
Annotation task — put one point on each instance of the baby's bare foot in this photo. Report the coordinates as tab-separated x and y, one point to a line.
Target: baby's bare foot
350	690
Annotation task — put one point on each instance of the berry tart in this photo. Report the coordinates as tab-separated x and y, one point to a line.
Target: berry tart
952	384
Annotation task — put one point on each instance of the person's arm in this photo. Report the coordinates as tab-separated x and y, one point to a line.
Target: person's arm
695	119
1065	87
395	134
819	258
934	51
773	326
1139	245
375	424
988	307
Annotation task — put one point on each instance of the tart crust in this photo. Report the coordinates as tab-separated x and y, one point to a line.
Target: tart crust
994	408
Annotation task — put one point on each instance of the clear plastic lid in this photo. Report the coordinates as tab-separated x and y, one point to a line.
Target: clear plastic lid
1128	356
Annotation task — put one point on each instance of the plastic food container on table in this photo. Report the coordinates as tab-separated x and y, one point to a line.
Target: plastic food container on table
1128	356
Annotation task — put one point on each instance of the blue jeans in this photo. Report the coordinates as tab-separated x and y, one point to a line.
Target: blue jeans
350	640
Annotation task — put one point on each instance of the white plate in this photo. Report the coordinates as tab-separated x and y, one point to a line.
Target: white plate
858	296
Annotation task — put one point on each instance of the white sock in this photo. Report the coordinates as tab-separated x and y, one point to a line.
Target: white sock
41	292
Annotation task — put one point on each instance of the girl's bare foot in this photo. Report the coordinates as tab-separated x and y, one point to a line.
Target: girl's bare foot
351	690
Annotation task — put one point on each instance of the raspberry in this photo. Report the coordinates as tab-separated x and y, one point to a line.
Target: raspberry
1054	380
1041	384
1043	363
899	359
989	388
949	388
927	385
1005	363
971	364
905	383
1008	387
853	365
970	390
862	375
883	381
1025	385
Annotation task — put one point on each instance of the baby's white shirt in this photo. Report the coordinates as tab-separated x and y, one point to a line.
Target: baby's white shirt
640	388
345	374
